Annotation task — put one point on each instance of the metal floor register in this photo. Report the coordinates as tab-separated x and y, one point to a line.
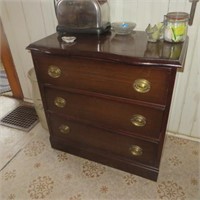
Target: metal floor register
23	118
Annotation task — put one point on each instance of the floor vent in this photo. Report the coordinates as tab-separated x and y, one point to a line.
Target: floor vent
23	118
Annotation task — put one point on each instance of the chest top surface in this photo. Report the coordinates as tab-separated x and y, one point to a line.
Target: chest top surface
130	49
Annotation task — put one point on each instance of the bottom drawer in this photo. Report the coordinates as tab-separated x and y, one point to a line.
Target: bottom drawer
127	148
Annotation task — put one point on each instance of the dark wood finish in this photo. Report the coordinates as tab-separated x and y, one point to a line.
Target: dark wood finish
97	83
9	66
105	158
106	77
133	49
109	113
87	136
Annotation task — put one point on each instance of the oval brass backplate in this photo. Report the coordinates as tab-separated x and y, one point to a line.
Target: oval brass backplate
54	71
60	102
138	120
142	85
136	150
64	129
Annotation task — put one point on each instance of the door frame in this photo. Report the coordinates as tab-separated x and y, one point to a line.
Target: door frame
7	61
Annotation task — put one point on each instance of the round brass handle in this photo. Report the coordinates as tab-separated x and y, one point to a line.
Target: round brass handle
142	85
136	150
54	71
138	120
64	129
60	102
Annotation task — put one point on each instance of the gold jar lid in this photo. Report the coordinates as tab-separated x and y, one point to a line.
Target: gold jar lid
178	16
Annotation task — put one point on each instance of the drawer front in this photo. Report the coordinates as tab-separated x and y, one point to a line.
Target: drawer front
115	115
90	137
136	82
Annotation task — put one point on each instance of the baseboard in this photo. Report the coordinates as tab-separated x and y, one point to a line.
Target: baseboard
184	136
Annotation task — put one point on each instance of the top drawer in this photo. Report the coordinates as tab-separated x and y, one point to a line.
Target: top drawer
136	82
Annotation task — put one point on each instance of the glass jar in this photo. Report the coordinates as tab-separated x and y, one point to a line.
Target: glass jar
176	26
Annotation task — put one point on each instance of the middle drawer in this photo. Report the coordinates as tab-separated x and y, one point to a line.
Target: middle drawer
107	113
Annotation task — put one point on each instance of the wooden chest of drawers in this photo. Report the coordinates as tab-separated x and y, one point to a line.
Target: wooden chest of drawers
107	98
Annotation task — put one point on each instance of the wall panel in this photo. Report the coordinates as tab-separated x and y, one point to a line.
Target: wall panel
130	11
32	18
14	23
49	16
185	105
116	7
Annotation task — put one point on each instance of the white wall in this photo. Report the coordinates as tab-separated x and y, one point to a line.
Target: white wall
26	21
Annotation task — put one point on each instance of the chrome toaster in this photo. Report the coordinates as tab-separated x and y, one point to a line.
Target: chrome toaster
82	16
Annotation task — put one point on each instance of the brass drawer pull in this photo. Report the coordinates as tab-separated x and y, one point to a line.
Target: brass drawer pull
136	150
60	102
138	120
142	85
54	71
64	129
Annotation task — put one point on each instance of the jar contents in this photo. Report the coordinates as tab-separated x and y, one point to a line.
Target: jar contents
176	26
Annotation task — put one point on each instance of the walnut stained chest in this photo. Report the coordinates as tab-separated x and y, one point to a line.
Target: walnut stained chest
107	98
